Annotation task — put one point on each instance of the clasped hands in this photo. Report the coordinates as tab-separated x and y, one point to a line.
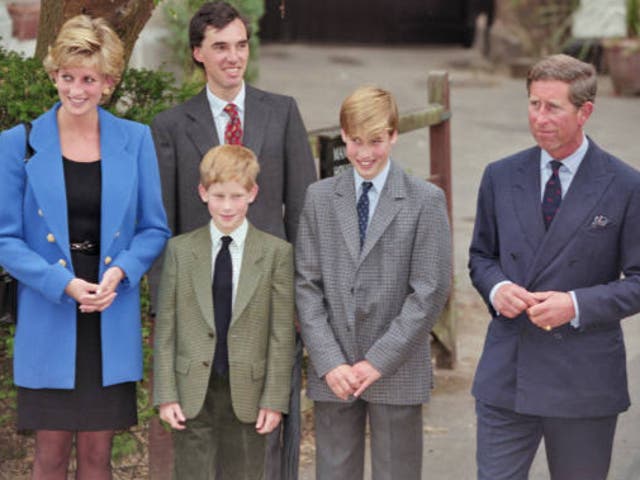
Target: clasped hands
547	310
93	297
346	380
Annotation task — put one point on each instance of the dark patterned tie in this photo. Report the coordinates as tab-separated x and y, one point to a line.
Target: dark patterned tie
552	194
222	299
363	211
233	131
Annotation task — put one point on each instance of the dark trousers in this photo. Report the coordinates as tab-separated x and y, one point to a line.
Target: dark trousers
396	440
216	439
577	448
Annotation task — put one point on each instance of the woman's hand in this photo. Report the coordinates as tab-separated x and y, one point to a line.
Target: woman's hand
93	297
81	290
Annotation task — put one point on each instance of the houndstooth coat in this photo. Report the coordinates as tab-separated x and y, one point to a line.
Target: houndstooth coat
380	303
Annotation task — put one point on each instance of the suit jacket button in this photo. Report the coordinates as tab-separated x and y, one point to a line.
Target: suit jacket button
62	262
117	234
210	334
50	238
107	260
205	364
40	213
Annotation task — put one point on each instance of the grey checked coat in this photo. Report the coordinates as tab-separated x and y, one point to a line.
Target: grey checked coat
379	304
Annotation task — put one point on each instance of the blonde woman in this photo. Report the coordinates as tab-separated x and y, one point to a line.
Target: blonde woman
81	223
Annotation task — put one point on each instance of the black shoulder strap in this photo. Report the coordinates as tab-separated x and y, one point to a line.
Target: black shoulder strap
28	151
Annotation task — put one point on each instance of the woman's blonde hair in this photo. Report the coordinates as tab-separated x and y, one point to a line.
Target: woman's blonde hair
87	42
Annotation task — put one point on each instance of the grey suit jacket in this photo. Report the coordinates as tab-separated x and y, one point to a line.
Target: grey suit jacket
273	129
261	334
380	303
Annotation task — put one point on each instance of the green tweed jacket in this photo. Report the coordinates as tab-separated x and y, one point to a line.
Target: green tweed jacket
260	337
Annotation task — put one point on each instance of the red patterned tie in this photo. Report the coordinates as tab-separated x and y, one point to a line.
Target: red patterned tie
233	132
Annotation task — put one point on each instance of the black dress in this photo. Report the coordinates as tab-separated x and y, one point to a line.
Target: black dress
89	406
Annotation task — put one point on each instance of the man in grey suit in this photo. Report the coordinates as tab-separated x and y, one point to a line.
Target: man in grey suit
373	272
267	123
556	256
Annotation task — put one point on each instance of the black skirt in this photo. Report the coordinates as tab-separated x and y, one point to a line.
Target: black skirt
89	406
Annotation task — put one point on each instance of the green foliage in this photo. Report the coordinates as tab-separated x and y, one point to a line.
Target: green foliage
543	27
633	18
7	392
25	89
179	13
143	94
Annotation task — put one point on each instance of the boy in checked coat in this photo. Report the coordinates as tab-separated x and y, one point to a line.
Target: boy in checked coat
373	271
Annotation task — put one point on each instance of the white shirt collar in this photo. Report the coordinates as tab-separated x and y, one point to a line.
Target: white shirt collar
239	235
217	104
572	162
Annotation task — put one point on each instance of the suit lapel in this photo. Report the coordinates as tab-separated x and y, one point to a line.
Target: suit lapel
526	199
344	201
201	273
256	116
389	204
589	184
118	177
201	128
250	273
46	177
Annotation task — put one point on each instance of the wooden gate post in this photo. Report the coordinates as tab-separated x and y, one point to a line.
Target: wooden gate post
440	166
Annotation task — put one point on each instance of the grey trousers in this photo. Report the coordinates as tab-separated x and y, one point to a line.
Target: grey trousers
396	440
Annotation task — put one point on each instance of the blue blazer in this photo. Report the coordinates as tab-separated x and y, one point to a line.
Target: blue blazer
34	247
594	238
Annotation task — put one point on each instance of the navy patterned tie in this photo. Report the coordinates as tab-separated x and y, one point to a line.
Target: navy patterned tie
363	211
222	299
552	194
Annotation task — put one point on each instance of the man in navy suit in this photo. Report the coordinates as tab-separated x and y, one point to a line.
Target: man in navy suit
555	255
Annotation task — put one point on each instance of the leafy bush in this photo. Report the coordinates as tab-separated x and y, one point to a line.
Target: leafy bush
26	91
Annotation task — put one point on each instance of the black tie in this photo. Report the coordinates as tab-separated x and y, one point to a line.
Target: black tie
363	211
552	194
222	299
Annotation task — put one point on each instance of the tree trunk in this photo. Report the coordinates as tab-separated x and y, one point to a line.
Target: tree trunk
127	17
